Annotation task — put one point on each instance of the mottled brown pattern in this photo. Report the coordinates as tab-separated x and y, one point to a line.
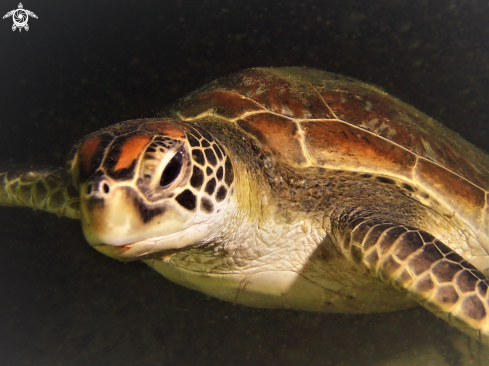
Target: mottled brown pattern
286	95
466	281
379	134
370	108
342	146
223	103
358	234
466	199
474	308
414	261
388	238
304	93
447	295
424	285
408	243
420	263
482	288
280	134
445	271
374	234
165	128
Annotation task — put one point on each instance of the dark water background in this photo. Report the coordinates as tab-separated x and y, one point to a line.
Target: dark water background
88	64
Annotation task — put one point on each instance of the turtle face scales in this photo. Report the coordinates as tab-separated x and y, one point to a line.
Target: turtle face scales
158	188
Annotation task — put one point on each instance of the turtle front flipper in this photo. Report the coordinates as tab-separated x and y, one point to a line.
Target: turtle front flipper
412	260
49	190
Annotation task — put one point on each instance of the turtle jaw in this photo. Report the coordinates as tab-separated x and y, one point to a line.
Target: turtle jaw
119	219
137	250
127	252
118	225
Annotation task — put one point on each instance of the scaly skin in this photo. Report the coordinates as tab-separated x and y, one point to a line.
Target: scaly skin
413	261
47	190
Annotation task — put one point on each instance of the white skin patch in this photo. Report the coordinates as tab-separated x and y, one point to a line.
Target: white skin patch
281	267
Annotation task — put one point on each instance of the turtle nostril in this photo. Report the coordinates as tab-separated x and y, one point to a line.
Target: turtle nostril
106	188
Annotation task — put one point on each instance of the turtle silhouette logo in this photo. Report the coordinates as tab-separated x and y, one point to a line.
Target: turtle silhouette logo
20	17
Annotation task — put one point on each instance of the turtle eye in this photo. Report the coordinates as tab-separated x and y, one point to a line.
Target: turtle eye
172	170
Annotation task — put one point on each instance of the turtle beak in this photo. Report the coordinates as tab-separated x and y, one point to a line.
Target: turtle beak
108	214
111	219
127	252
105	211
107	218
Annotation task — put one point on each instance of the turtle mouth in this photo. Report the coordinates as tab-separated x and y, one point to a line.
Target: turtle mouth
152	248
136	251
127	252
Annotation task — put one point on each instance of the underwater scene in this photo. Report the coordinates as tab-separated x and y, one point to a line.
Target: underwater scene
68	69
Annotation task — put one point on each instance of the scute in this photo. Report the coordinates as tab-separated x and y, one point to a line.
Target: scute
256	90
338	145
308	117
280	134
307	94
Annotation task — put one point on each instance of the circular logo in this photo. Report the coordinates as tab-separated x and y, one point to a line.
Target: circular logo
20	18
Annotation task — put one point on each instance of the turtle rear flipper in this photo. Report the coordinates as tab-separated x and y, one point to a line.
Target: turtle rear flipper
412	260
49	190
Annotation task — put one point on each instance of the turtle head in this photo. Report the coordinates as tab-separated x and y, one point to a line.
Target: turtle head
152	186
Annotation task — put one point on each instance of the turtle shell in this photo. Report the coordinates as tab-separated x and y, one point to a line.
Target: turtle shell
308	117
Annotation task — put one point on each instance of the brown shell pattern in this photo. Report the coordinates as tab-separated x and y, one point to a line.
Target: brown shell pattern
309	117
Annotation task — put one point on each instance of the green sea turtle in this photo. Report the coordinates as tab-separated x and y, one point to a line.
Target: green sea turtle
286	187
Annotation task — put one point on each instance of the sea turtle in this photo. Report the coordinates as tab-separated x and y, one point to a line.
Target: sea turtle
286	187
20	16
